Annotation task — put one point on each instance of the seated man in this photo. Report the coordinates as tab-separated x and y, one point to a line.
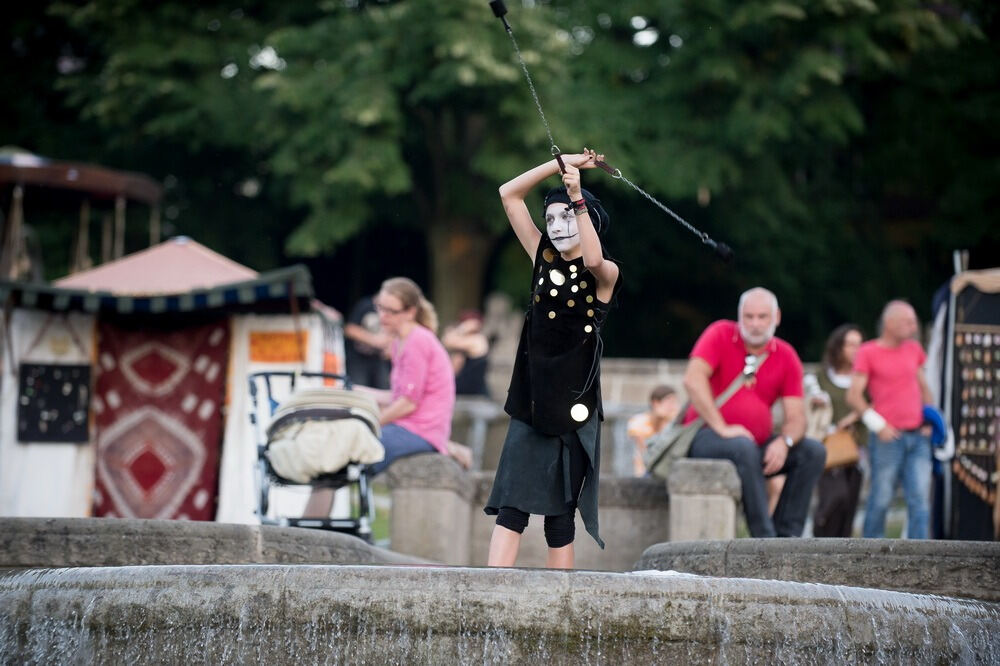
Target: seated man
741	430
663	408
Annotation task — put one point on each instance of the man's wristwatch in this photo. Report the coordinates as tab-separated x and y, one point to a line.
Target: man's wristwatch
789	442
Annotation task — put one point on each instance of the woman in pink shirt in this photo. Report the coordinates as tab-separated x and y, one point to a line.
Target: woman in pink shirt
417	409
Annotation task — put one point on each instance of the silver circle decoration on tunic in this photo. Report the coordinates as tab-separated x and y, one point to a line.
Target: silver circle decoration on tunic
574	289
553	293
557	277
579	412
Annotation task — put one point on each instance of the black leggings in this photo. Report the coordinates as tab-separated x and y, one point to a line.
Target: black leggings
560	530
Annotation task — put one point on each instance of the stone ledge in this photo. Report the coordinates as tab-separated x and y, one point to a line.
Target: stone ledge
967	569
88	542
433	471
690	476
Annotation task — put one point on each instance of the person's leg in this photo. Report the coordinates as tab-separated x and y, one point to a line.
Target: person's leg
774	485
399	442
803	466
886	461
559	534
746	455
917	484
828	501
560	531
506	539
853	477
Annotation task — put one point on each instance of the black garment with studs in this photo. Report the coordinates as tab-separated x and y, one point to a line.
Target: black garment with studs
555	386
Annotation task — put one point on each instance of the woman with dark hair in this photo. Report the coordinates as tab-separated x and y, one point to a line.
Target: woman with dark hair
550	459
839	487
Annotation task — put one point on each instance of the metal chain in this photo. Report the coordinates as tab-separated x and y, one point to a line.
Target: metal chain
534	93
615	173
700	234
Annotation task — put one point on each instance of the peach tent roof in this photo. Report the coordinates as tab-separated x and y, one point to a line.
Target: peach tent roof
174	266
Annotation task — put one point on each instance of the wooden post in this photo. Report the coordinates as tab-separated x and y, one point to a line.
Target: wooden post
13	240
119	226
81	250
107	241
154	225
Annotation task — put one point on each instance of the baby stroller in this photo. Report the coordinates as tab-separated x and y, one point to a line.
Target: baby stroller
321	434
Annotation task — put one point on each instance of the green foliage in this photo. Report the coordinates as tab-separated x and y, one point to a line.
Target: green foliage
842	147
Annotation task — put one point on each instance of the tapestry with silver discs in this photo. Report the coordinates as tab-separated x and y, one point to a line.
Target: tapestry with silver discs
977	378
53	403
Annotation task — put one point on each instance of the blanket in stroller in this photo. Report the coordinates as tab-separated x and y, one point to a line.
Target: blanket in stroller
320	431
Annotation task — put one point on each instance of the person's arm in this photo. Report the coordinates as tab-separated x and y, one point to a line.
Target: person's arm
925	389
363	335
409	379
606	272
699	390
793	427
381	396
874	421
397	409
514	191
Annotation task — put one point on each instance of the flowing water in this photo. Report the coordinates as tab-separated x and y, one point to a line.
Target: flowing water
307	614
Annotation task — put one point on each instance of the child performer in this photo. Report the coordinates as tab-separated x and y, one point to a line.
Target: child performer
549	464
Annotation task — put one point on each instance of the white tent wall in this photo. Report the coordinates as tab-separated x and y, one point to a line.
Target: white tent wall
43	479
237	474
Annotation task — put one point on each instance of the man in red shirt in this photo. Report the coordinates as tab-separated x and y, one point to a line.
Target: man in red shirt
890	367
741	431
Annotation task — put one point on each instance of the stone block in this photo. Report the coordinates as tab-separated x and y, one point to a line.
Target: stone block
689	476
700	517
430	514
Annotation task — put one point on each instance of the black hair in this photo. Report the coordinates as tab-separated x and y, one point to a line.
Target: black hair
598	215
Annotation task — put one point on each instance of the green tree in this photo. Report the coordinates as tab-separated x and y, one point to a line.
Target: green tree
408	113
753	120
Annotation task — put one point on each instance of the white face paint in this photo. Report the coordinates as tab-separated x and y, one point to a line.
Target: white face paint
561	227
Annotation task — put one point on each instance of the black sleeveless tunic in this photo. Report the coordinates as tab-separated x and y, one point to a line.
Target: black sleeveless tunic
554	396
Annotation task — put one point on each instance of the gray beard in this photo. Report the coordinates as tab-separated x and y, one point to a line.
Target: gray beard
760	340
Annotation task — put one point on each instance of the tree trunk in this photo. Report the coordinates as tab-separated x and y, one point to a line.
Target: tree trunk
459	251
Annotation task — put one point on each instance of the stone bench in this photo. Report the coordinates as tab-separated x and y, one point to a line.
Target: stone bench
437	513
704	499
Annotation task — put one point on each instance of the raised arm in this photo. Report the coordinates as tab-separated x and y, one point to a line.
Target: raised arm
514	191
606	272
512	194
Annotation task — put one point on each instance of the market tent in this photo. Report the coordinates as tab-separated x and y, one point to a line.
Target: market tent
166	338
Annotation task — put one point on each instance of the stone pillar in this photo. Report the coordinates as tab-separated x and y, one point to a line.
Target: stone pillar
704	499
430	514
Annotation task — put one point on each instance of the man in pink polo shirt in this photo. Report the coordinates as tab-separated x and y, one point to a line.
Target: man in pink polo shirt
741	431
890	367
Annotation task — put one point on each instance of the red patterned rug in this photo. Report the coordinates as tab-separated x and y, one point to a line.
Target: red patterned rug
158	397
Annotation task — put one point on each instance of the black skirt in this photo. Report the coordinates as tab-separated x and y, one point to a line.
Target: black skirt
533	474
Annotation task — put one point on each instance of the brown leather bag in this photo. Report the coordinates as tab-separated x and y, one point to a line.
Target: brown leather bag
841	449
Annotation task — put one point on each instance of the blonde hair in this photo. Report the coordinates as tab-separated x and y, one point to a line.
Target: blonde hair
410	295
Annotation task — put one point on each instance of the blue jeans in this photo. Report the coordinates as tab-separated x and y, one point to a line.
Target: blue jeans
908	459
803	466
399	442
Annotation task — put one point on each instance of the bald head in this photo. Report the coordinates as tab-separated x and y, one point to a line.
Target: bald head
898	322
758	316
